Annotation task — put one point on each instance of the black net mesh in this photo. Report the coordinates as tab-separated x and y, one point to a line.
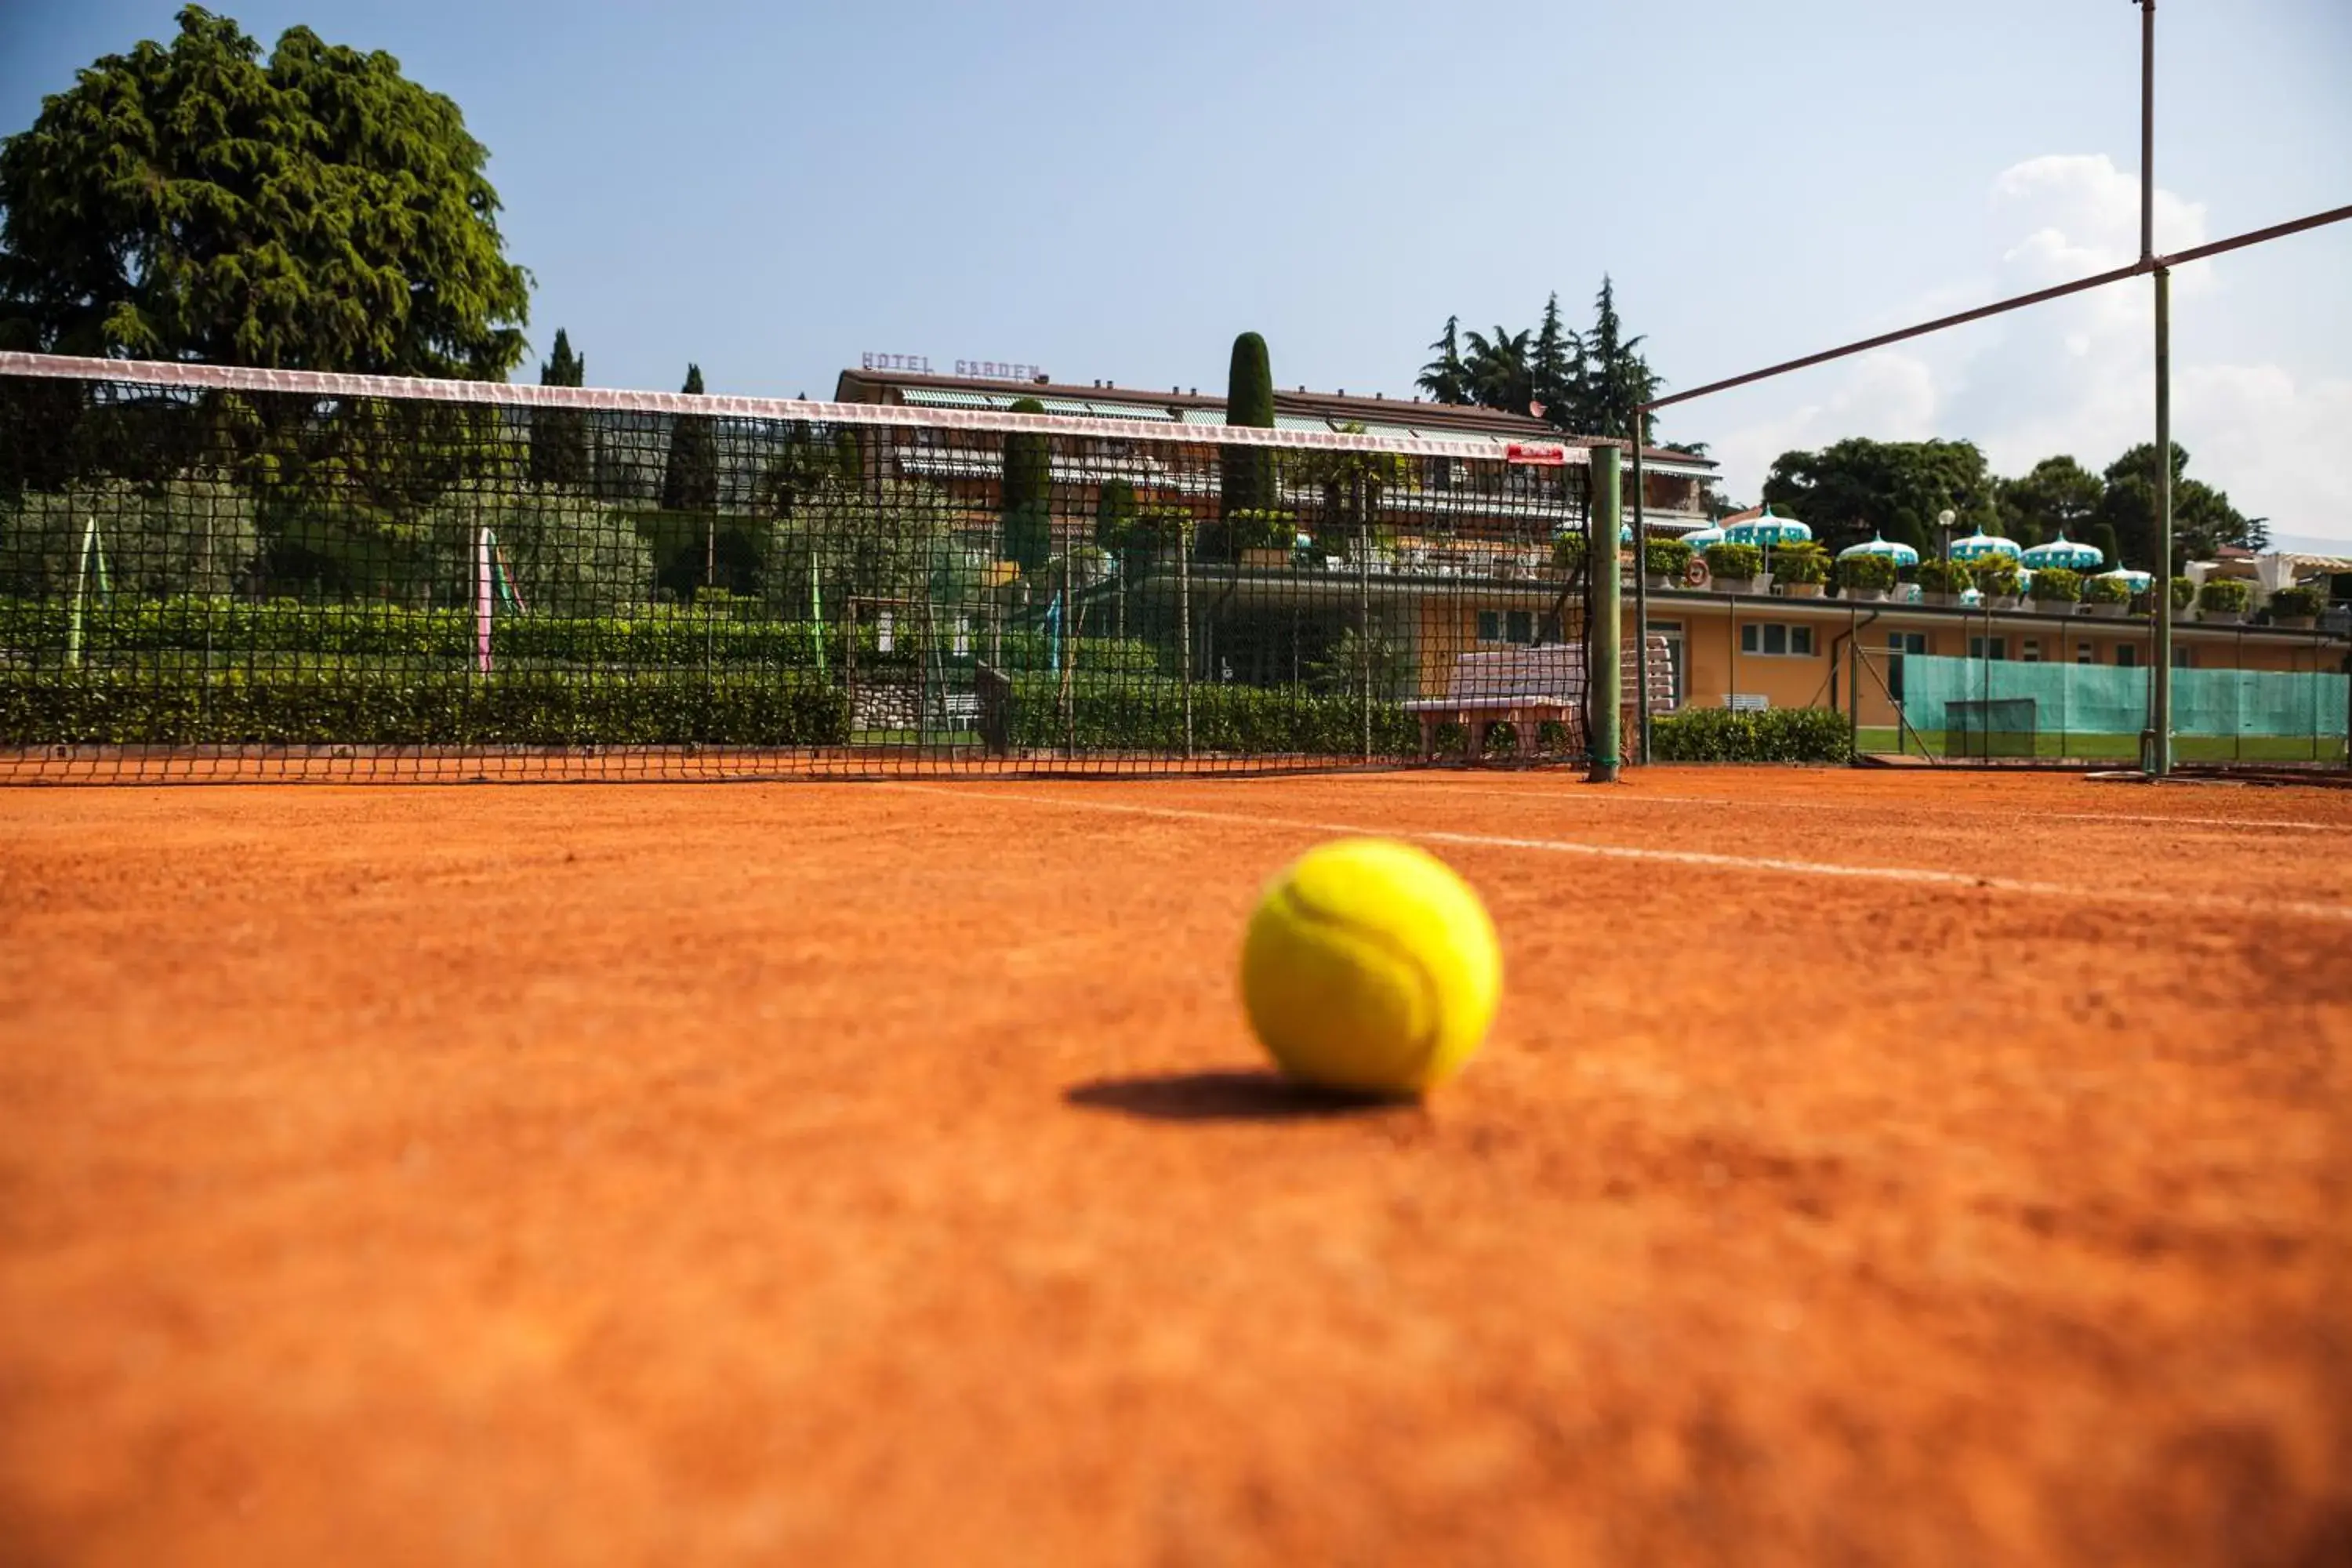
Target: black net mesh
210	572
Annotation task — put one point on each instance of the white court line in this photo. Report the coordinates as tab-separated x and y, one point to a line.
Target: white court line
1908	875
1604	797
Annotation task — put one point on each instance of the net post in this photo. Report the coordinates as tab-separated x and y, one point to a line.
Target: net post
1641	596
1602	618
2160	717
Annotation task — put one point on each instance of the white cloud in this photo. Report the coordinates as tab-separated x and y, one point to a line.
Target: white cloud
2076	375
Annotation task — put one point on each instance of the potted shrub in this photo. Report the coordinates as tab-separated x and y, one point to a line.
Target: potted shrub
2184	594
2056	590
1669	559
2298	609
2106	595
1734	567
1568	554
1942	582
1801	570
1264	539
1866	577
2224	599
1998	578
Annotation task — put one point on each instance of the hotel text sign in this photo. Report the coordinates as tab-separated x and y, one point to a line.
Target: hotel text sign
988	369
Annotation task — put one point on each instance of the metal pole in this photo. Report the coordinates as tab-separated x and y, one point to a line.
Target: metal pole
1601	617
2146	131
2160	717
1641	598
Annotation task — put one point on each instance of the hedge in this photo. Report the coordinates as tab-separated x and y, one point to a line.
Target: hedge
656	638
1774	735
1149	716
308	707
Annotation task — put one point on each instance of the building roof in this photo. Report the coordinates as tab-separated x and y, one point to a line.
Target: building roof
1296	409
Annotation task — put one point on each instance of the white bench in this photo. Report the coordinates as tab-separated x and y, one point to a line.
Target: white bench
1527	686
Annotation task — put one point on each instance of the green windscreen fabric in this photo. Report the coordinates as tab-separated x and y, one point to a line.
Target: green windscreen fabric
2102	699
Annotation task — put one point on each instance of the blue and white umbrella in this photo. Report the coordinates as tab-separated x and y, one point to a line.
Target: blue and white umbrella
1977	546
2137	581
1895	549
1698	539
2065	552
1767	531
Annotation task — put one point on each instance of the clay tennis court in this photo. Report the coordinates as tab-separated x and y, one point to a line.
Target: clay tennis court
1866	1167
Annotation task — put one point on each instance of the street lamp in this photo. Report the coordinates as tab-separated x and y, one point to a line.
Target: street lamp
1944	520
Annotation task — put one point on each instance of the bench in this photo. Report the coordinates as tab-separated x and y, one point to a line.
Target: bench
1527	686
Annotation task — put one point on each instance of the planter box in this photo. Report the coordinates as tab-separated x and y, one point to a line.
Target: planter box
2106	612
2295	623
1864	596
2004	601
1659	581
2052	606
2222	617
1801	590
1737	585
1939	600
1266	560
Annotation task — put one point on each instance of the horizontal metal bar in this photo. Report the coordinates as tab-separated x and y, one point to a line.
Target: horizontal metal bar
2039	296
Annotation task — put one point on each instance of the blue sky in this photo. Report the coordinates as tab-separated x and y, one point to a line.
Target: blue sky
1114	190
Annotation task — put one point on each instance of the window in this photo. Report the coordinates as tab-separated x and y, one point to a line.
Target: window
1987	647
1490	626
1777	639
2031	652
2084	654
2127	655
1509	625
1519	625
2183	657
1898	645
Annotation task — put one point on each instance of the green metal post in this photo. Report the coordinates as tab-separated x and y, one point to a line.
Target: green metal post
2159	717
1641	599
1600	619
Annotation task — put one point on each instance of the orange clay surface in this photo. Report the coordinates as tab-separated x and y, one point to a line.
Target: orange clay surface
881	1174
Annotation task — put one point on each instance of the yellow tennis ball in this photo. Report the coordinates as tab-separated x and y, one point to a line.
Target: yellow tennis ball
1369	966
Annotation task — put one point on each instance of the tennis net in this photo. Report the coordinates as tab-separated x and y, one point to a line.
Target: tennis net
210	572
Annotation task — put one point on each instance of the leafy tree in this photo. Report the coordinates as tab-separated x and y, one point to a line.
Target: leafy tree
564	555
1028	493
1352	484
1500	375
2058	495
1446	378
2202	518
317	210
690	477
559	437
1858	487
1247	473
888	540
806	465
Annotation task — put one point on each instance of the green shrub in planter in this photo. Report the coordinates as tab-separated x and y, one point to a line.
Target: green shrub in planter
2226	595
2104	591
1734	561
1568	553
1866	572
1944	577
2057	586
1791	563
2297	602
1257	529
2184	593
1774	735
1997	576
1668	557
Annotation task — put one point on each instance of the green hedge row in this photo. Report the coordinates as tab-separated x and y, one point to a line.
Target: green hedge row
1149	716
1774	735
388	631
304	708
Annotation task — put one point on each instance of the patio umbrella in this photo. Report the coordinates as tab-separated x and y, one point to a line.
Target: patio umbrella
1767	531
2065	552
1698	539
2137	581
1977	546
1895	549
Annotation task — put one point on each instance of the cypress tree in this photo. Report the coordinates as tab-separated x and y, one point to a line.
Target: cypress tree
1553	369
2103	536
1248	481
690	477
1028	493
559	437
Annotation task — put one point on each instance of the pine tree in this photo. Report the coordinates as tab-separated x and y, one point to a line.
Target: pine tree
1028	493
1617	379
1446	378
1554	367
559	437
690	477
1248	472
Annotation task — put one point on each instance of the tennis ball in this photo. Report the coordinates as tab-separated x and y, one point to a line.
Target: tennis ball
1369	966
